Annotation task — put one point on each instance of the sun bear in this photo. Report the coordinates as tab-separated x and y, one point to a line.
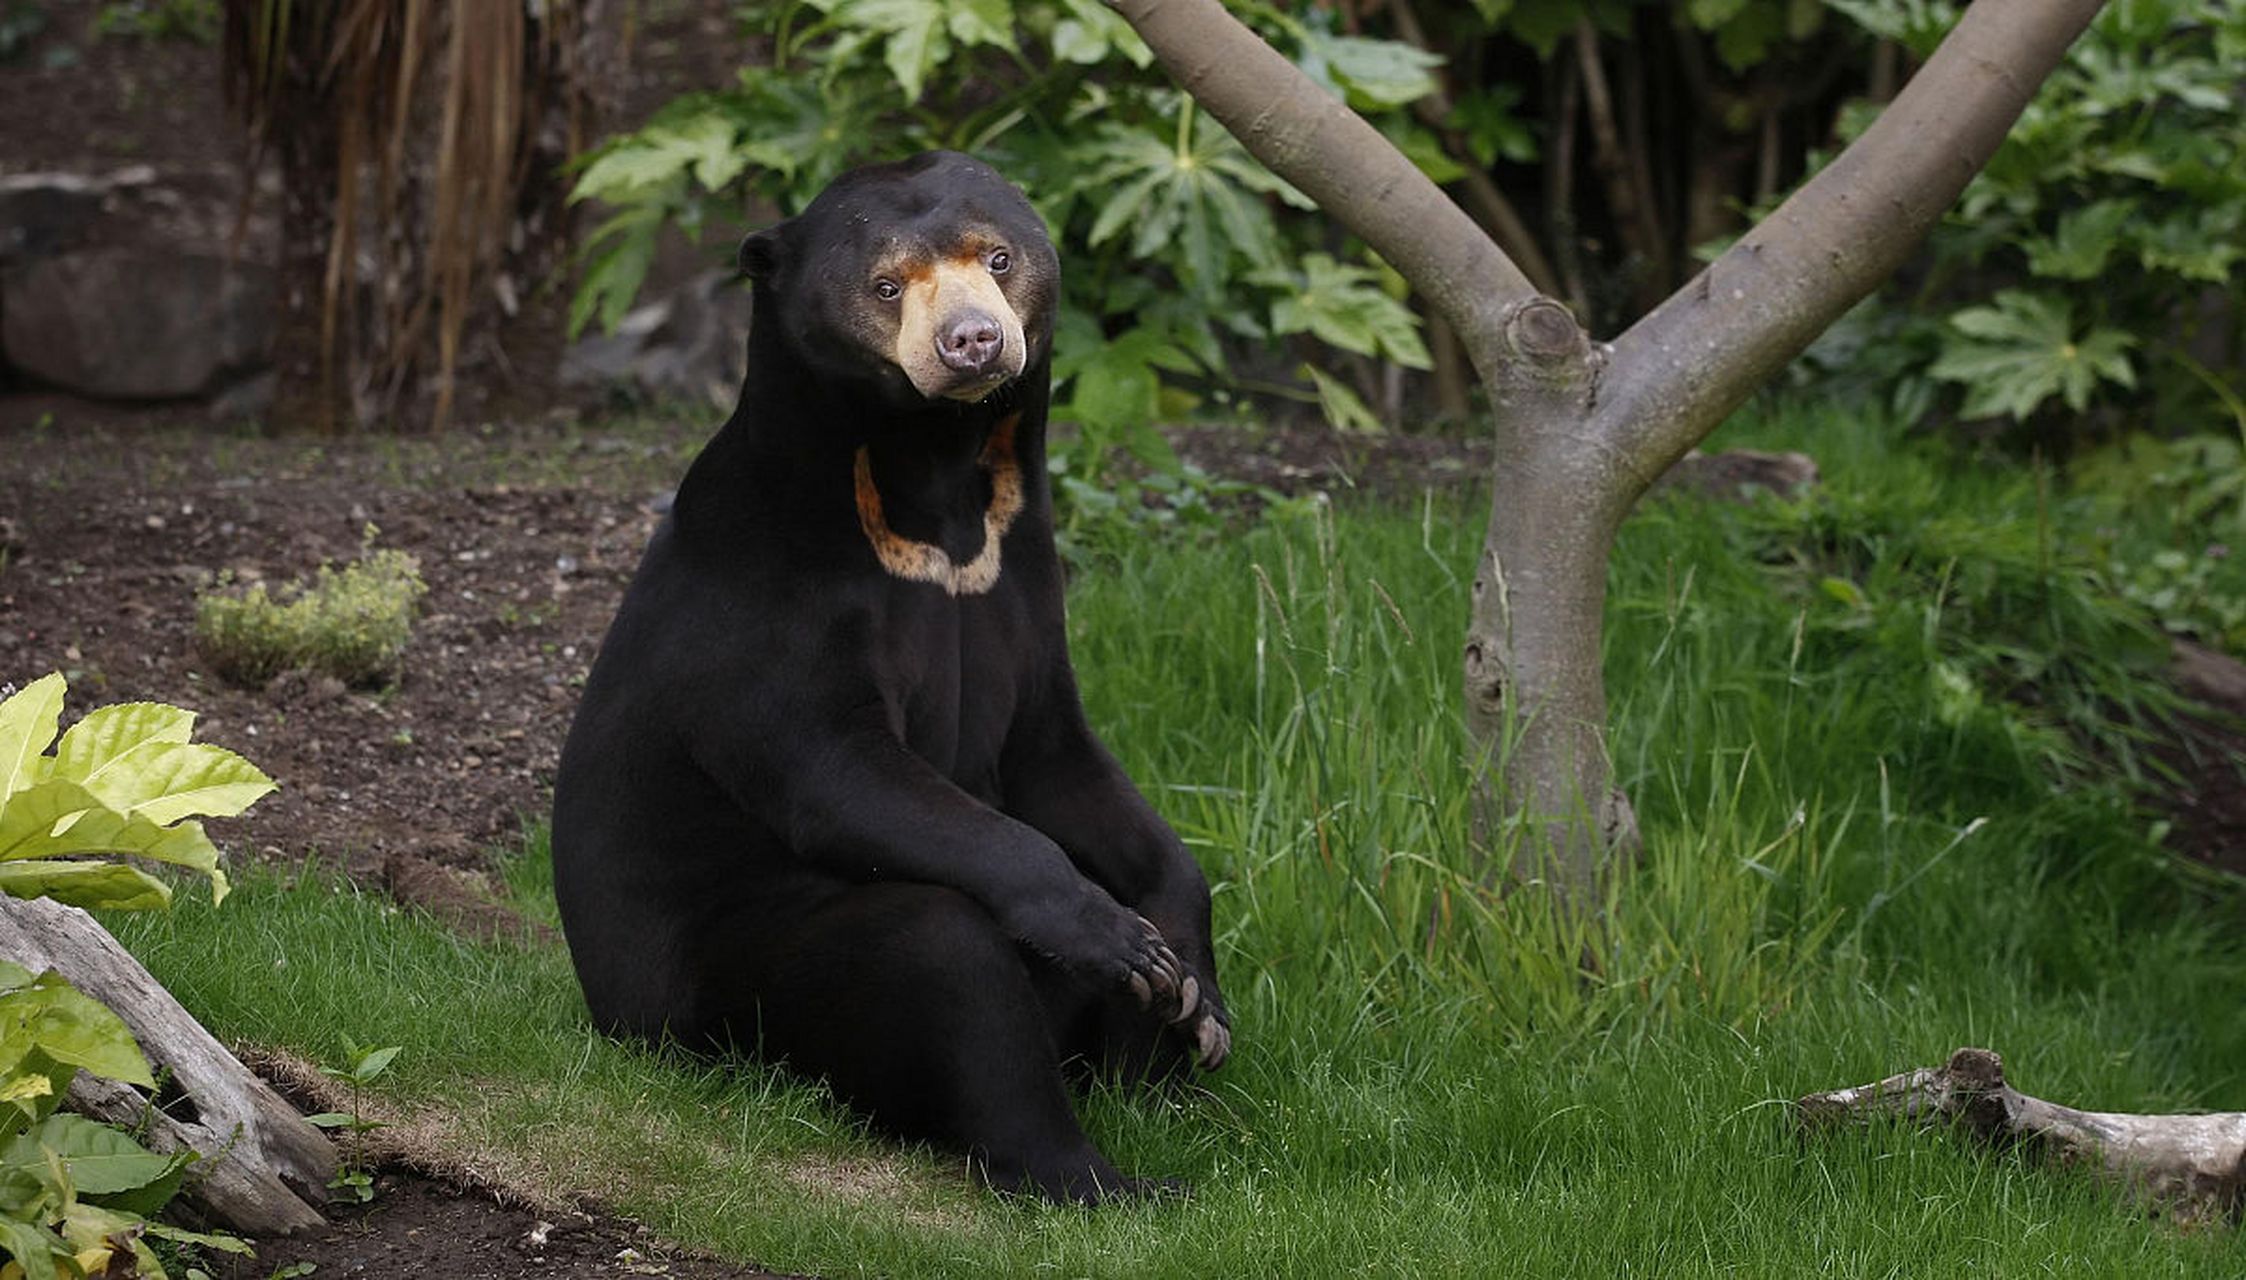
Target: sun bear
830	797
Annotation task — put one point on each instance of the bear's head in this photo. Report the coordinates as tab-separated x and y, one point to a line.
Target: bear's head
926	280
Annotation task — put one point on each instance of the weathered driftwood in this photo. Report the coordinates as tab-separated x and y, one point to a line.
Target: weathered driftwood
264	1169
2191	1167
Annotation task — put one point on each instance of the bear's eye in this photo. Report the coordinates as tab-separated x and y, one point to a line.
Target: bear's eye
886	289
1000	262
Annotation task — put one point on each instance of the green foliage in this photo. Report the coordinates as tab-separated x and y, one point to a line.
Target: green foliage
1176	241
123	781
2025	349
352	623
2111	225
2170	517
76	1196
195	20
362	1066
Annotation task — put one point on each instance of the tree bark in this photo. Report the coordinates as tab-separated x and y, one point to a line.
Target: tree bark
1582	430
2191	1167
264	1169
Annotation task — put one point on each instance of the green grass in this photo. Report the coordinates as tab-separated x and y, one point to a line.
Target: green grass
1866	845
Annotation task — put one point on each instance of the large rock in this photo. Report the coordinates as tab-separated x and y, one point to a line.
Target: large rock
136	324
44	213
690	345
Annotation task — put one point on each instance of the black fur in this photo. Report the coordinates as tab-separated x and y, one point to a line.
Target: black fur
821	813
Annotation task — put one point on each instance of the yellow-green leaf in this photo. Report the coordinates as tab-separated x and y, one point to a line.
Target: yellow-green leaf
27	724
96	886
166	781
107	733
71	1027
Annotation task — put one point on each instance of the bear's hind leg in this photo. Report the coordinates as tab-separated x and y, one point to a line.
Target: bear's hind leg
920	1013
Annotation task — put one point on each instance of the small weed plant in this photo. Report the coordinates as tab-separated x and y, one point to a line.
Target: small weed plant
350	623
362	1066
78	1198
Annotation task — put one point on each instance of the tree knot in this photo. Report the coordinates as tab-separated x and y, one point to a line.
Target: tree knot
1545	331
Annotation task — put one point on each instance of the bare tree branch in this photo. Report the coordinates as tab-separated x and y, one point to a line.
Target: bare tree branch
1697	356
2193	1167
1313	140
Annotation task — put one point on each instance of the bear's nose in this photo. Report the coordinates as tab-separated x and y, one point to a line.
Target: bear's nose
970	343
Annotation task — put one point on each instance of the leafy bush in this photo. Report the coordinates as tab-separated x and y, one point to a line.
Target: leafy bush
2171	517
122	781
76	1196
351	623
1182	251
2110	225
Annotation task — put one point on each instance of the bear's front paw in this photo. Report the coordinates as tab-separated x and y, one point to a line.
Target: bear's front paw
1156	976
1203	1020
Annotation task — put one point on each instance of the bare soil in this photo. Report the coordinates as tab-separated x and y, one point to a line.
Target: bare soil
420	1227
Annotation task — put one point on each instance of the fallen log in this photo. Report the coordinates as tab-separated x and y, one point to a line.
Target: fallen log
264	1170
2190	1167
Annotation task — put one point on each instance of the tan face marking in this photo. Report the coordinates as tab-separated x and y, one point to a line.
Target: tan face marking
917	561
932	295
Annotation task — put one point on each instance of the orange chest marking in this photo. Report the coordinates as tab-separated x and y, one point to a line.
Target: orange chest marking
917	561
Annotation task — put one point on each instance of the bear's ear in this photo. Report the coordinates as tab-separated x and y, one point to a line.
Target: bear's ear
760	252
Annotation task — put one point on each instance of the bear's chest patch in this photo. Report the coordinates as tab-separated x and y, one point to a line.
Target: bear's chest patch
916	561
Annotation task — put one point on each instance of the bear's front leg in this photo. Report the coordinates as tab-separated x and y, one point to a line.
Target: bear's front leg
853	802
1063	782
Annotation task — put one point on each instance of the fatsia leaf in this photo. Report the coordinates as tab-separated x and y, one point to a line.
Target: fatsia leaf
717	159
1374	73
984	22
1091	29
2022	351
633	166
616	270
1340	304
1342	406
2085	238
108	732
28	721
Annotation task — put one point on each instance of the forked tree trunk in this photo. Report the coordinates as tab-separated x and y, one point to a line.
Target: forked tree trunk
1583	429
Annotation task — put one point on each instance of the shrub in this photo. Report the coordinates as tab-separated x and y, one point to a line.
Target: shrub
76	1195
2097	251
351	623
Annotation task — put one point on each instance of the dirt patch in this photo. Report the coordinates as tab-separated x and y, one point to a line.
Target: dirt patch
2206	758
418	1226
114	532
